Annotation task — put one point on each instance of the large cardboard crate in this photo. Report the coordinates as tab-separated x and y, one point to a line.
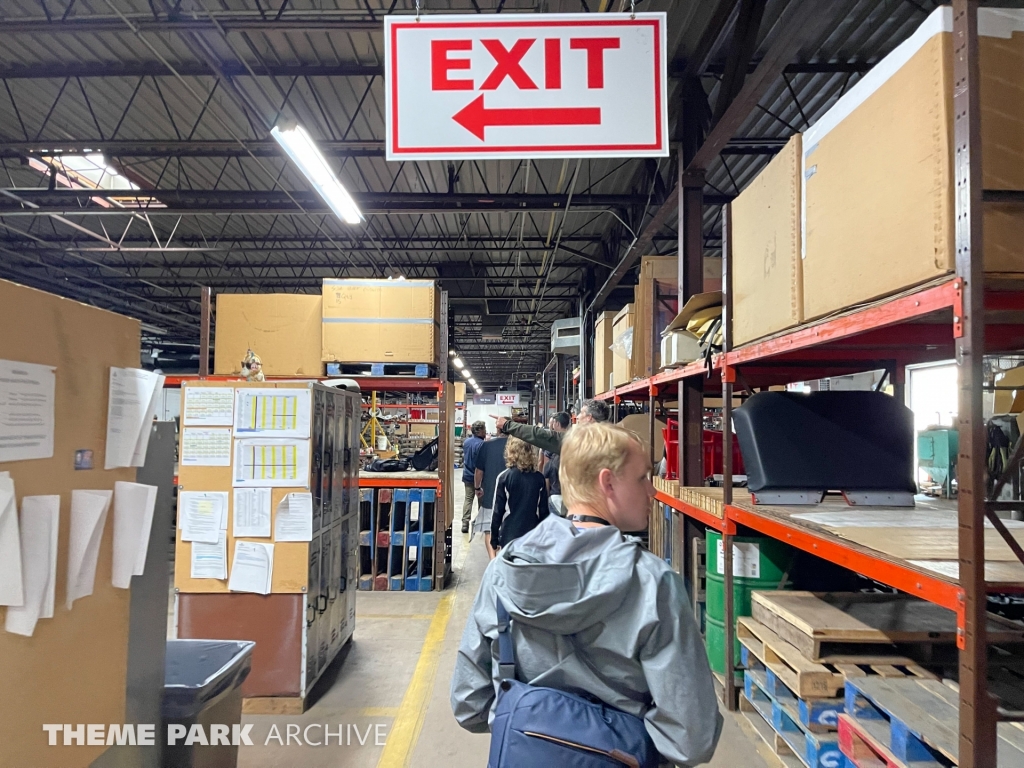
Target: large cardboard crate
603	358
621	326
282	328
379	321
656	301
878	168
767	285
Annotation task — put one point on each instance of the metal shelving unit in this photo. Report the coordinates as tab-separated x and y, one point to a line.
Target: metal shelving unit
962	317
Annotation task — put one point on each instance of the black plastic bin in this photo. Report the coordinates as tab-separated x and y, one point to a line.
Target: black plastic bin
203	684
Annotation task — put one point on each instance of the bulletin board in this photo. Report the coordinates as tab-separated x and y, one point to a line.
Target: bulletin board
74	667
291	558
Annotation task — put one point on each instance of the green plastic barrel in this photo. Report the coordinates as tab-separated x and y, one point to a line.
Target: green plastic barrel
764	563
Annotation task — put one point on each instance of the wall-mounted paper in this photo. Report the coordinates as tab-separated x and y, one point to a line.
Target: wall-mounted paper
210	561
88	516
11	586
205	447
294	519
262	461
252	567
40	520
26	411
202	515
131	404
251	512
133	521
208	406
272	412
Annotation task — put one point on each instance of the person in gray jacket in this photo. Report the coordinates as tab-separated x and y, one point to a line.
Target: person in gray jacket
592	611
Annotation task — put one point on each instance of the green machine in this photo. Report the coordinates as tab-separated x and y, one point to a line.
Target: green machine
936	456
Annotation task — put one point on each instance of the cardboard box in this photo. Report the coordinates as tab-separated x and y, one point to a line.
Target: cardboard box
460	392
622	336
767	284
878	168
379	321
656	300
603	357
282	328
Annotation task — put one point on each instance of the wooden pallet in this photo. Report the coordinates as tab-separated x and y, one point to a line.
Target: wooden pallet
810	679
917	721
861	749
812	748
825	626
699	578
816	715
414	370
763	728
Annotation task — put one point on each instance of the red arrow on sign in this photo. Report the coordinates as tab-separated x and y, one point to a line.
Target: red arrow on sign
475	117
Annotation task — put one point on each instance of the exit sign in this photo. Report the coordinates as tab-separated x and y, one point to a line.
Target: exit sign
525	86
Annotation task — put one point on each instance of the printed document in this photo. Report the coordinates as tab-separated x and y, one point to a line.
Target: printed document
252	567
251	512
11	587
202	515
294	520
210	561
208	406
272	412
131	404
88	517
26	411
262	461
133	520
205	447
40	520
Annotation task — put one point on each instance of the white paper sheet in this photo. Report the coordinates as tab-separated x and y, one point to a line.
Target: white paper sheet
272	412
11	585
40	520
294	519
133	521
210	561
261	461
252	567
202	515
887	518
251	512
88	517
131	404
26	411
205	447
208	406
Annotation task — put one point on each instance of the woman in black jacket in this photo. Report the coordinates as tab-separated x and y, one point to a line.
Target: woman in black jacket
520	495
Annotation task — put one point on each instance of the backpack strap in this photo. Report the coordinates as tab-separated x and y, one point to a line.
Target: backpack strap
506	653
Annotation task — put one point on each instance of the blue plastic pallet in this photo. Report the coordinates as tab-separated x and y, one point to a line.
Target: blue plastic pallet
399	529
815	750
367	538
814	714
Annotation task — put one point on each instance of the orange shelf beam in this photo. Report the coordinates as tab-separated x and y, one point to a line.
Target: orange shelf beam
405	482
697	514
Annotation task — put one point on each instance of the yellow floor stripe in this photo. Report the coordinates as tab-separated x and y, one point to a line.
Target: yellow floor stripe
409	721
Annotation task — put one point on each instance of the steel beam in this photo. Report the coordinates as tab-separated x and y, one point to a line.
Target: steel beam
322	21
179	148
137	69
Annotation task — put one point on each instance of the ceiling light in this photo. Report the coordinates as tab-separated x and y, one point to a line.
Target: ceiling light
457	362
465	373
472	381
479	391
304	153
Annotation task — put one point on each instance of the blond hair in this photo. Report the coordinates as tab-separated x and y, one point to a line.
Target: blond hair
586	450
519	455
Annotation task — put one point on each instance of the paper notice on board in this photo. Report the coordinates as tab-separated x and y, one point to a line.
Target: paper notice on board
26	411
205	447
252	567
273	412
202	515
133	521
11	586
251	512
210	561
294	519
40	521
261	461
131	405
208	406
88	517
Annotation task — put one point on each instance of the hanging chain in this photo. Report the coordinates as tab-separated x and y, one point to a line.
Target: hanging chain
632	9
417	10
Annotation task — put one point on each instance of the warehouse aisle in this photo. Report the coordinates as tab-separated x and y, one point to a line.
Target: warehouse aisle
393	681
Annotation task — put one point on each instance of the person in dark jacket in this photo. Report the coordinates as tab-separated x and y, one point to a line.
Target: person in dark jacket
470	448
520	496
548	439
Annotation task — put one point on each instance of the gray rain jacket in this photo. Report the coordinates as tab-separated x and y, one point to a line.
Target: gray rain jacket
593	611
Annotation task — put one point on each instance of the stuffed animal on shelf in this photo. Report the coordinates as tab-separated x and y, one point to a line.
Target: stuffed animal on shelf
252	367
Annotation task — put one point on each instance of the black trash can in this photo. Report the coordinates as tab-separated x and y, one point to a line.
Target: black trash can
203	685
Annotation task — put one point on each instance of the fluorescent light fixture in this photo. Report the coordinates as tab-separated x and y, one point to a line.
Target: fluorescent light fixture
479	391
457	362
303	151
465	373
472	382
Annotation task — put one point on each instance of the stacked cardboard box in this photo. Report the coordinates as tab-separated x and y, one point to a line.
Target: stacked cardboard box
282	328
603	357
656	298
623	341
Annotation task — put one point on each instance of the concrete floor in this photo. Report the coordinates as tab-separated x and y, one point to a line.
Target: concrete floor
393	682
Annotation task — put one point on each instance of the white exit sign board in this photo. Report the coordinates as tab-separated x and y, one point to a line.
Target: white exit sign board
507	398
526	86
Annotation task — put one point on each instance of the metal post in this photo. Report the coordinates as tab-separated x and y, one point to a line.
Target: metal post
977	709
728	375
204	332
652	424
559	382
691	282
445	466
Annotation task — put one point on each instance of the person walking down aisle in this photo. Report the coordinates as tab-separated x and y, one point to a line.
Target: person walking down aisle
520	496
490	462
478	432
559	423
591	411
593	611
